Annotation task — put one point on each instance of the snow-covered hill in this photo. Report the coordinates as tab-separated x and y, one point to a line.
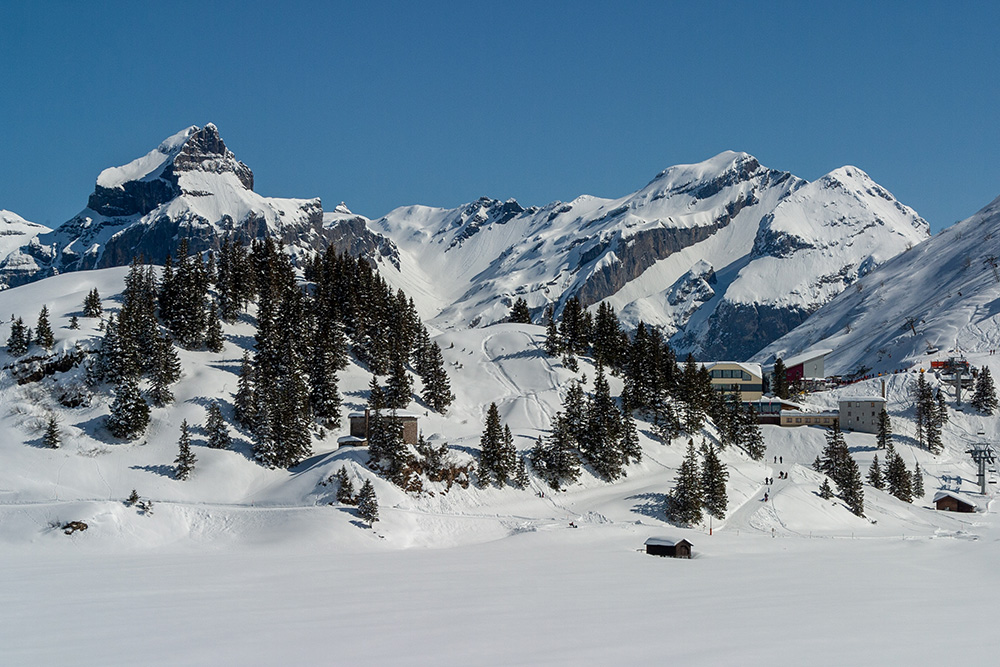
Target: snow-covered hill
726	255
15	232
190	186
940	297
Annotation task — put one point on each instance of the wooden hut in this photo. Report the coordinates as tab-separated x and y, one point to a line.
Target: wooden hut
949	501
664	546
359	426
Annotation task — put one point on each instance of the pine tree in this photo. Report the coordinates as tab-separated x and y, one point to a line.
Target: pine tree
751	435
399	388
574	414
74	322
345	488
553	343
942	407
165	371
324	396
884	437
985	397
918	482
185	458
491	464
601	439
833	461
685	501
368	503
244	401
924	400
897	478
713	482
52	438
851	490
437	388
133	498
216	428
386	451
608	342
519	312
556	461
92	304
520	474
19	340
825	492
214	339
875	474
43	330
129	412
630	449
780	386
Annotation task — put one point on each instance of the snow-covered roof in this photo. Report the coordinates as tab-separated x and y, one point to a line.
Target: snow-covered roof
878	399
399	413
961	497
664	542
349	440
770	400
804	357
749	367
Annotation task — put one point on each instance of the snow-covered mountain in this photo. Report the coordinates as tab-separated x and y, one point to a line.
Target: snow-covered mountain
941	295
725	255
192	186
15	231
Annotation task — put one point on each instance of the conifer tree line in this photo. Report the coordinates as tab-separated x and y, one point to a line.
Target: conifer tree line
499	460
984	398
674	398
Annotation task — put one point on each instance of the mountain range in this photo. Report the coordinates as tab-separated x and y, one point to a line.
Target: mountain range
726	255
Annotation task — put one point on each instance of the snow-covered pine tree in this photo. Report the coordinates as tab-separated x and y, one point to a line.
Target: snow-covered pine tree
883	438
214	339
43	330
507	457
129	412
368	503
437	388
92	304
834	460
918	482
345	488
573	328
942	407
52	438
851	490
630	449
714	477
398	387
185	458
519	312
244	402
556	461
898	480
574	413
520	473
74	322
685	501
875	474
324	395
18	341
601	439
216	428
750	433
553	343
932	430
166	369
825	492
491	465
923	399
985	397
780	382
608	341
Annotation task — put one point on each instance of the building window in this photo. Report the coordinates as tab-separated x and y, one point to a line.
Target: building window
798	420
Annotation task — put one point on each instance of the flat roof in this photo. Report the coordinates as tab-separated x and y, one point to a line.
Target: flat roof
399	413
803	357
752	368
862	398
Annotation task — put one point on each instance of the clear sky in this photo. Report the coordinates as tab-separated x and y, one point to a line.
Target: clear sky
383	104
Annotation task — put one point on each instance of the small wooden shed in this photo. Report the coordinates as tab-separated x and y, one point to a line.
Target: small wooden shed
665	546
949	501
359	426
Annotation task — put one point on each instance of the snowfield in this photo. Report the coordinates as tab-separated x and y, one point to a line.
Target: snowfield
246	565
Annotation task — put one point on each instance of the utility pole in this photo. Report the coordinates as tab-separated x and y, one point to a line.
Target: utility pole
982	454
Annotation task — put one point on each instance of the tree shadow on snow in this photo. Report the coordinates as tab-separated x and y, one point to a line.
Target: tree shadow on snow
310	463
243	342
94	427
166	471
650	504
862	448
229	366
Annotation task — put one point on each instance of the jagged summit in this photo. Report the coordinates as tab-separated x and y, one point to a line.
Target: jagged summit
191	186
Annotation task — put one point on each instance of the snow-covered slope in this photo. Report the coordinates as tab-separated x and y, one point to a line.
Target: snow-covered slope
940	296
15	232
725	255
190	186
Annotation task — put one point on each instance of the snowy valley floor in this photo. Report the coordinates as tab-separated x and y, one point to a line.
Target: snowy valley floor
553	596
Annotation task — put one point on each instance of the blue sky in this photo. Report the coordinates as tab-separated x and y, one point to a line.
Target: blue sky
387	104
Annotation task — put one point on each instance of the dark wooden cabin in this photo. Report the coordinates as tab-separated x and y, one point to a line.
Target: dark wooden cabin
953	502
664	546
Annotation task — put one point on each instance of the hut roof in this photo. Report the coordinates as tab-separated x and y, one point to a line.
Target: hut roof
665	542
960	497
400	414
